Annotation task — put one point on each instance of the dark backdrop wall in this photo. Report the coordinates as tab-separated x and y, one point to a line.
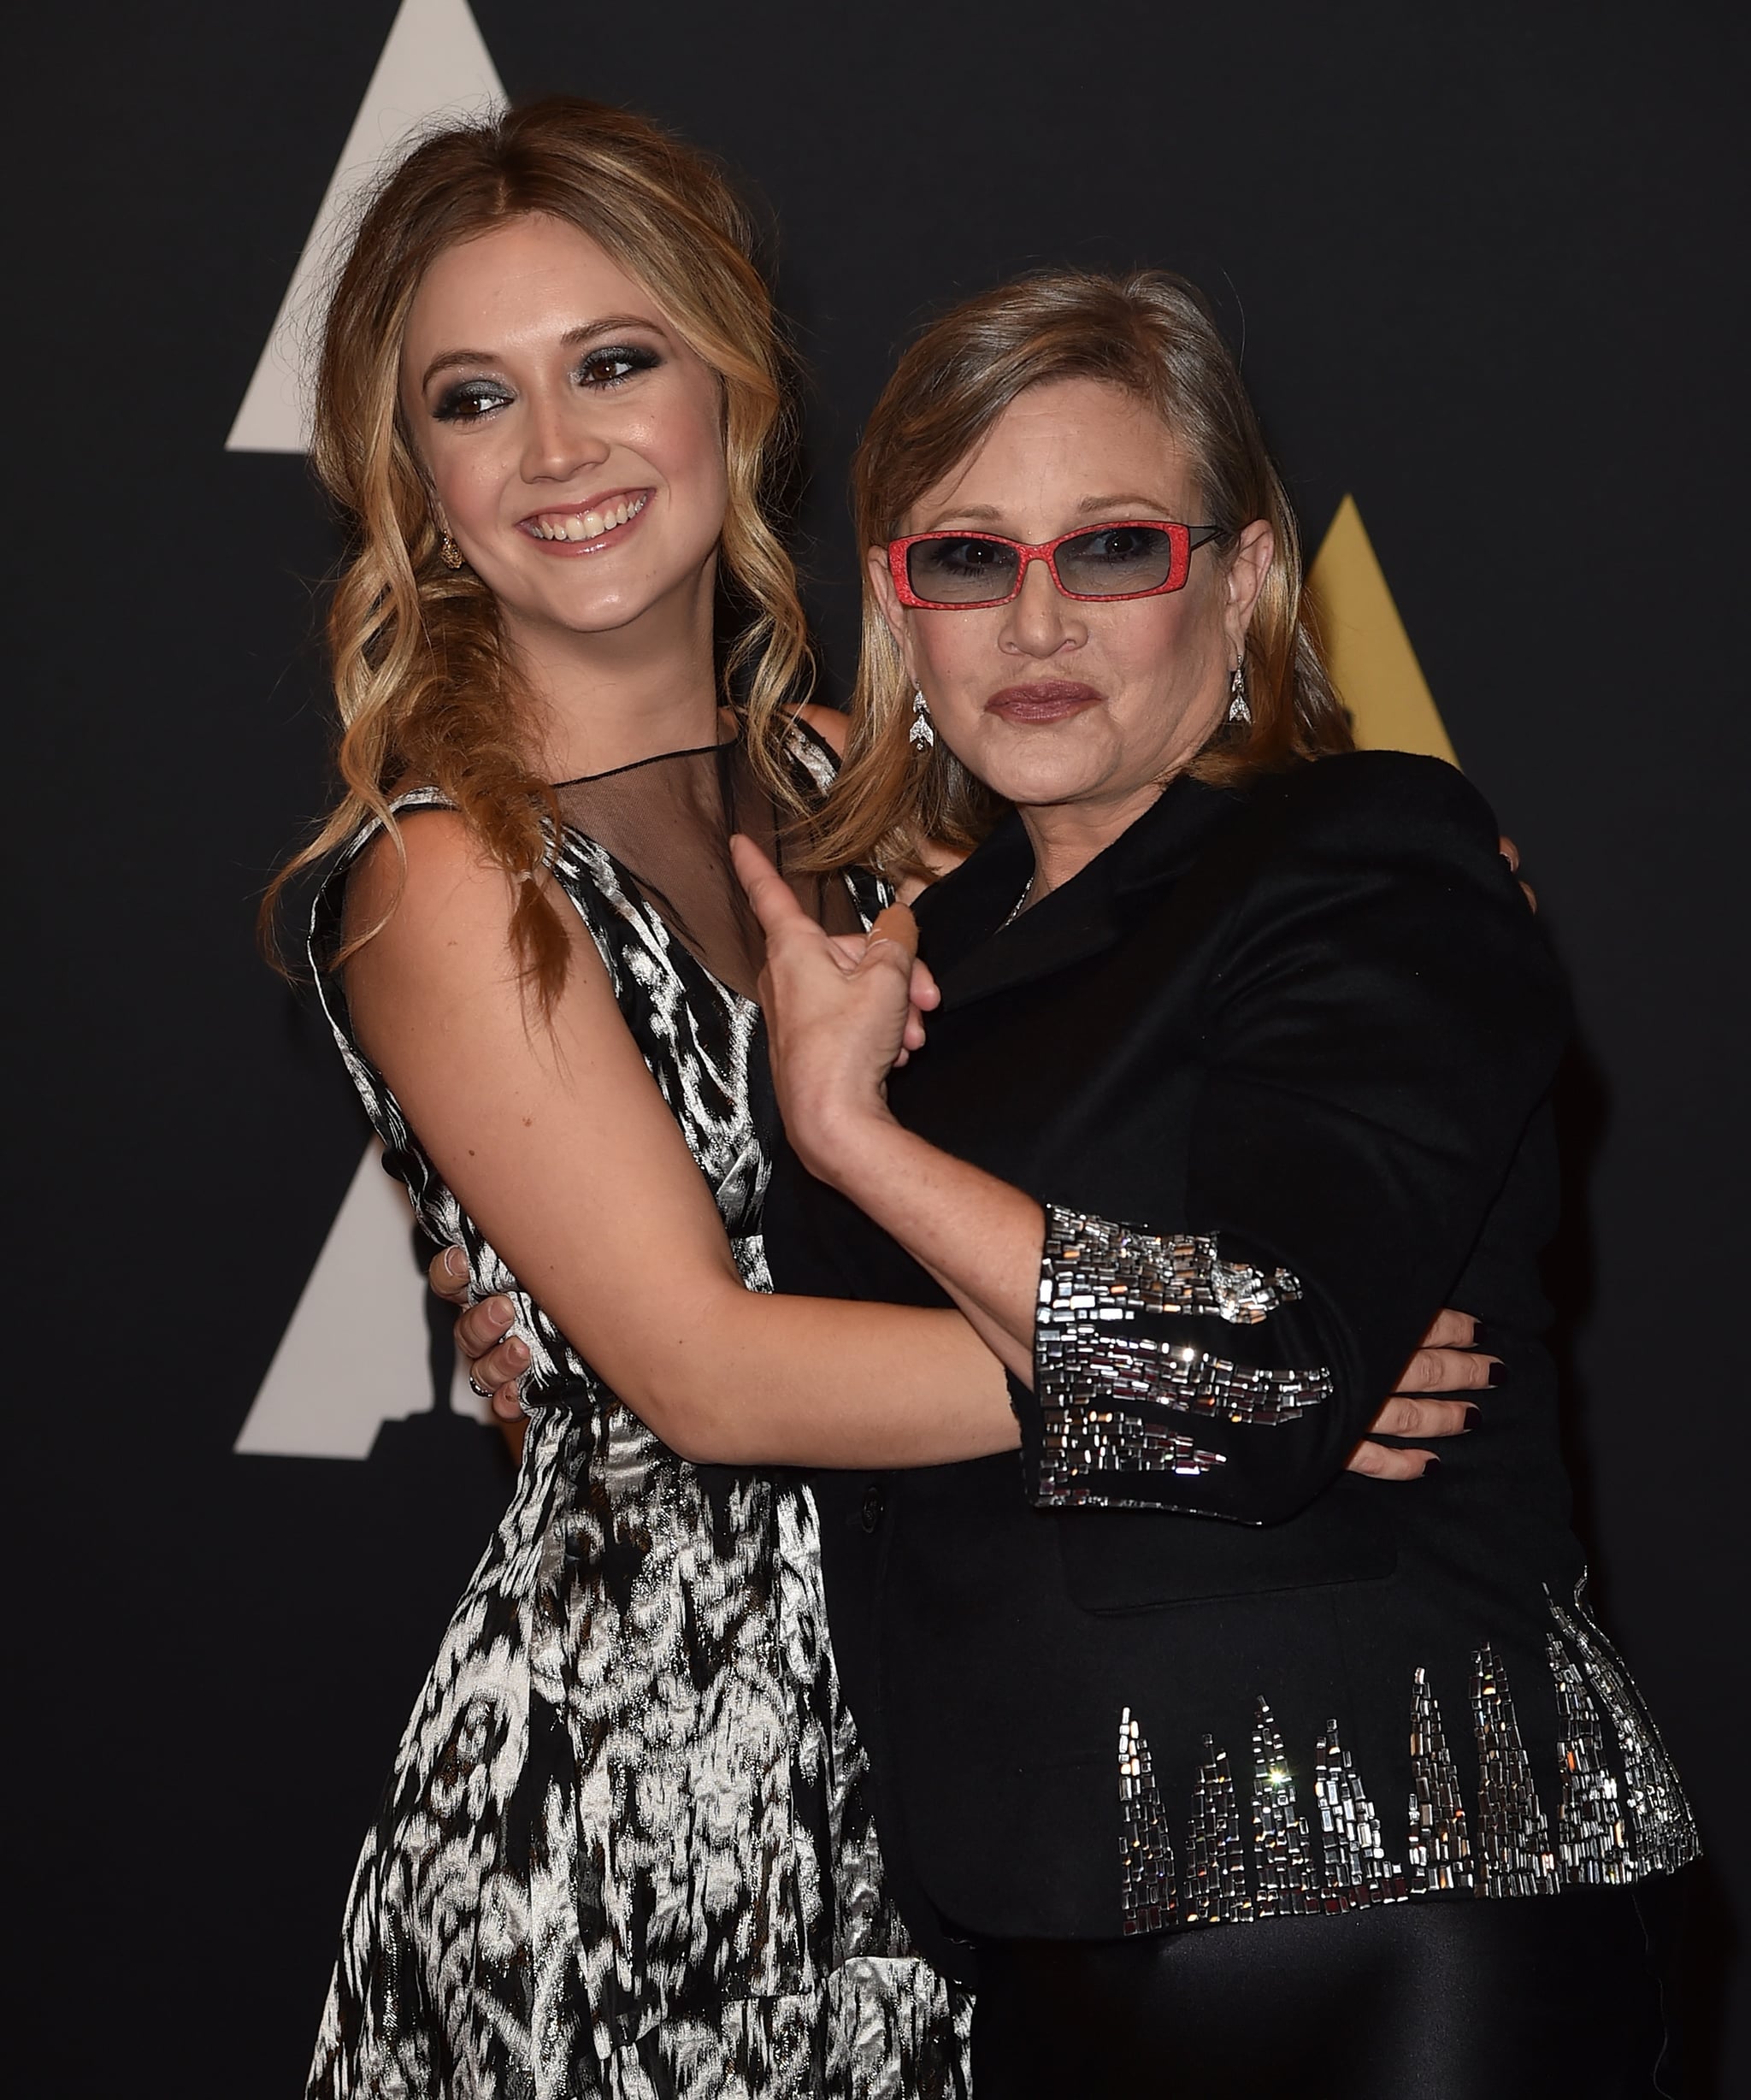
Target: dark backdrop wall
1482	262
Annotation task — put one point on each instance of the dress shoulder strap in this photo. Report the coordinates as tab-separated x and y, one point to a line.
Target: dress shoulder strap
322	939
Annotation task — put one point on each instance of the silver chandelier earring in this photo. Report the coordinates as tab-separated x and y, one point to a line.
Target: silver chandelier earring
1239	707
923	733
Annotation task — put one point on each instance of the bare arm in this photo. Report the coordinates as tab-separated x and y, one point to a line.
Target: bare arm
553	1136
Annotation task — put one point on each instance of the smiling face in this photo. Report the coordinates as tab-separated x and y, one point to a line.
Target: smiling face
1058	703
574	441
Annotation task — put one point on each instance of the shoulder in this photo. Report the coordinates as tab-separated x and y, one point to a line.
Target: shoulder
1381	798
1361	818
411	877
1392	861
826	724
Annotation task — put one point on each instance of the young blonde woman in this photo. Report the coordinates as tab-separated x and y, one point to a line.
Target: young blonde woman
626	1847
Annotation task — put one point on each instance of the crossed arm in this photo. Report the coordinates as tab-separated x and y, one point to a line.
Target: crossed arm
554	1138
1347	1065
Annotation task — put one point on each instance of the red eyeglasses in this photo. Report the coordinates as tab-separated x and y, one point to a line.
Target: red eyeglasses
1138	557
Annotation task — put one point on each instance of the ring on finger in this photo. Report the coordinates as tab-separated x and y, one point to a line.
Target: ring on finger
480	1391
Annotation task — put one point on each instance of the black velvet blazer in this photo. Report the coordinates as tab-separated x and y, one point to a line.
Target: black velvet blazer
1276	1063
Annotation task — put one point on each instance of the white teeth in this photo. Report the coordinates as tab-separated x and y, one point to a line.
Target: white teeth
592	524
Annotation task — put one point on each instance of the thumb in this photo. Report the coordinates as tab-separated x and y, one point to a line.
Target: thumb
896	926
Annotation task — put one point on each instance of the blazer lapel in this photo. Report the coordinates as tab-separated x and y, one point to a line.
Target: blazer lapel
975	953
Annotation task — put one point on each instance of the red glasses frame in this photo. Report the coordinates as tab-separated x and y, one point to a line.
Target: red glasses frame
1183	539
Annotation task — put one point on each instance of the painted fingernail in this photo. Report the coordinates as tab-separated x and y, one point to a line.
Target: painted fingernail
1433	1463
1498	1374
1474	1415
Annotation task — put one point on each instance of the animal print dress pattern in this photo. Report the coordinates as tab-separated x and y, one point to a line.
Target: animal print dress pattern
626	1850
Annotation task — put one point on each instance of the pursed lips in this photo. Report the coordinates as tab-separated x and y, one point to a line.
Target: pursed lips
1046	700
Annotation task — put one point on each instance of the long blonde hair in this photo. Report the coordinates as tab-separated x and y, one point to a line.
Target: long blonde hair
423	681
1152	334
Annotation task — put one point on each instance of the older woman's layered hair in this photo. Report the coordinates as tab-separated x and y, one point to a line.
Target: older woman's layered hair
425	687
1152	335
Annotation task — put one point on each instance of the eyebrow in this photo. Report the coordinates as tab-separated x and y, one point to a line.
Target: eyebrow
984	513
449	360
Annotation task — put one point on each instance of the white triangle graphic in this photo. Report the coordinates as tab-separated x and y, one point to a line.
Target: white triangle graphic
435	63
356	1354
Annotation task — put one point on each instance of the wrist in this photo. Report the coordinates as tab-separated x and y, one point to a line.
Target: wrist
839	1141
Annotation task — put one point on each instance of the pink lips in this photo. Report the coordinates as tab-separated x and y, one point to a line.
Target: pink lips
603	541
1047	700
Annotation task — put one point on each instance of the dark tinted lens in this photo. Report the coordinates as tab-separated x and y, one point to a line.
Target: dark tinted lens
961	569
1116	558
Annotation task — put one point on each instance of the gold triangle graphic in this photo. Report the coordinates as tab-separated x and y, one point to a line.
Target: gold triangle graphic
1373	665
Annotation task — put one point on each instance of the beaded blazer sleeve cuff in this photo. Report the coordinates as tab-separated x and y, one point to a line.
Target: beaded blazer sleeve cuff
1097	1424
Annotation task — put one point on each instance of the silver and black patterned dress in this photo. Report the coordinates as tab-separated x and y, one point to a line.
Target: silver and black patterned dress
626	1850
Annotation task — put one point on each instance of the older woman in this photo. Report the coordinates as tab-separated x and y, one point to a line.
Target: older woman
1239	1071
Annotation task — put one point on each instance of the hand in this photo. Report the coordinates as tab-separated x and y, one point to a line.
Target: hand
1445	1362
1510	853
840	1014
495	1364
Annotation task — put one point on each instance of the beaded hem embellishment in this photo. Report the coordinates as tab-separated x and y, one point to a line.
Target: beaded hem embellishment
1609	1831
1097	1387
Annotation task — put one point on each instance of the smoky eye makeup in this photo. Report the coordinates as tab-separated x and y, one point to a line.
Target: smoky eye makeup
469	400
612	364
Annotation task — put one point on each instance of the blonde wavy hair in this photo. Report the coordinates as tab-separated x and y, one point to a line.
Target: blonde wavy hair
1152	334
424	684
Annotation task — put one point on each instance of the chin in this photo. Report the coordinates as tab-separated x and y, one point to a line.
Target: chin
1049	767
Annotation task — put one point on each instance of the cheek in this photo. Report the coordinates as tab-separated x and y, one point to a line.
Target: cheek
1166	643
467	479
685	444
956	654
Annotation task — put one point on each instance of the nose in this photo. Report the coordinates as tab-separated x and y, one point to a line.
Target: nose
1041	620
559	441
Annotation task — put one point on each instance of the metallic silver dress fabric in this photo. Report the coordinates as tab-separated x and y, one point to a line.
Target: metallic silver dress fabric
626	1849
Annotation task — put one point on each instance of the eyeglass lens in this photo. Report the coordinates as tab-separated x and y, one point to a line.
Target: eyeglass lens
1109	562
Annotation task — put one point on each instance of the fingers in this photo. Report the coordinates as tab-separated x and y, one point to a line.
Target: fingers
1403	1416
448	1275
483	1326
497	1372
1510	853
1450	1331
775	904
1450	1371
1380	1462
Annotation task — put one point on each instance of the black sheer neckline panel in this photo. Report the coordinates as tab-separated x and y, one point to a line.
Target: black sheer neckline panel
633	765
667	820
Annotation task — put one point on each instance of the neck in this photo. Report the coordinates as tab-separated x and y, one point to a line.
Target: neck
1067	836
607	700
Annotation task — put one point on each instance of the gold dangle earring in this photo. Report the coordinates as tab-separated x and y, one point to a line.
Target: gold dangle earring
448	551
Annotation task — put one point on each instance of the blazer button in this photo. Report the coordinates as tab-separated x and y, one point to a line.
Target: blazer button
871	1514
